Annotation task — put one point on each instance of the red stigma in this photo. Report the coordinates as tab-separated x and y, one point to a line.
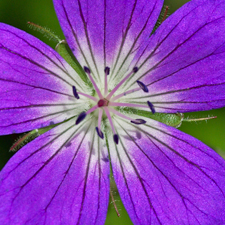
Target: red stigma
103	102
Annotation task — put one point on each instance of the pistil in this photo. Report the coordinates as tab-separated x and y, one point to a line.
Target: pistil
103	102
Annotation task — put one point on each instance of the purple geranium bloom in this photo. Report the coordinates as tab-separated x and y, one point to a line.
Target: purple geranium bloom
99	114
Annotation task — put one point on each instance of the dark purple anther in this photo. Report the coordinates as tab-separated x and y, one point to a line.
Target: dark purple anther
75	93
138	121
99	132
142	86
116	138
151	106
86	70
135	69
107	70
80	117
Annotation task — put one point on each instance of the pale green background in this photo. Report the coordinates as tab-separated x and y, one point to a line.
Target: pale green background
18	12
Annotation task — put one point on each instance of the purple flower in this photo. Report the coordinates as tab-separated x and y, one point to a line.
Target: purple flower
163	175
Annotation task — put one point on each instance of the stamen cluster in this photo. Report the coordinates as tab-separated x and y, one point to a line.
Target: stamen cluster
107	102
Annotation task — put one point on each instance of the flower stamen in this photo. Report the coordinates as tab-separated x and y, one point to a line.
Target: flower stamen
142	86
115	136
88	96
135	69
151	106
138	121
88	72
98	128
124	94
81	117
100	112
75	92
107	71
99	132
92	109
121	104
135	121
107	101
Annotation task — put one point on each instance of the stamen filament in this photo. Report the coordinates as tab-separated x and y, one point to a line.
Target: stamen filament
124	94
88	96
110	119
135	69
120	114
100	112
106	85
92	109
135	121
87	70
127	105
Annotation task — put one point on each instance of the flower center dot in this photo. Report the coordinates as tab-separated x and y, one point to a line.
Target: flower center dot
103	102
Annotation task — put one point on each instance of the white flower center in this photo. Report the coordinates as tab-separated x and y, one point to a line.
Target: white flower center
107	102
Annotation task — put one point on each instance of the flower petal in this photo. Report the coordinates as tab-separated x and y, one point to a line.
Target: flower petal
36	83
104	32
184	63
62	177
167	177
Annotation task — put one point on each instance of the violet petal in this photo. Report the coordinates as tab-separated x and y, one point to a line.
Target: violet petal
59	178
36	83
167	176
99	31
184	62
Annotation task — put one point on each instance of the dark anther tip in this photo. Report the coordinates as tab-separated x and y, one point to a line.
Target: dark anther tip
116	138
151	106
99	132
135	69
138	121
86	70
142	86
80	117
75	93
107	70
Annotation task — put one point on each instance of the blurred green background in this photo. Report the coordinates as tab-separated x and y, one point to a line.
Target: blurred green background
18	12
